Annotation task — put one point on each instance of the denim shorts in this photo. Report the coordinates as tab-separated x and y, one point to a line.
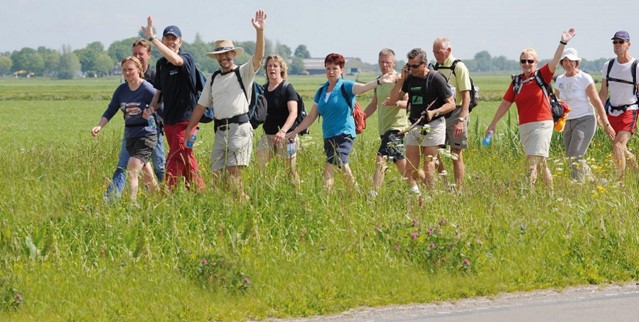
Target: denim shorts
338	148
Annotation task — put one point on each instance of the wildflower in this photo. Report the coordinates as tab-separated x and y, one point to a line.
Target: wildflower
396	248
442	221
204	261
425	129
414	235
430	231
601	189
377	229
432	245
466	262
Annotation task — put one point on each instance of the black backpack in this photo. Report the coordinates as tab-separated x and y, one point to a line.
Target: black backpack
633	70
257	101
555	106
200	80
474	91
301	110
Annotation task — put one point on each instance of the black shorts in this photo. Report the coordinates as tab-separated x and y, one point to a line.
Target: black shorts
337	149
142	147
392	146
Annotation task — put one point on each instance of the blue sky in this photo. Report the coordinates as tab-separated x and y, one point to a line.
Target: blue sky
353	28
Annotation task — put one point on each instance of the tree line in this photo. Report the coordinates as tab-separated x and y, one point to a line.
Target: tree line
95	60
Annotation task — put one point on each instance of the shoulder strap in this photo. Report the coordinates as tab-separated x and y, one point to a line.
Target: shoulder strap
239	79
634	75
516	84
346	97
452	67
542	83
610	62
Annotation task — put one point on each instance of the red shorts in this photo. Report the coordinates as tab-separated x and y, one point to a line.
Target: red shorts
624	122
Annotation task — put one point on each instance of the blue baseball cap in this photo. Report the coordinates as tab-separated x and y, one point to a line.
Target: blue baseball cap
172	30
623	35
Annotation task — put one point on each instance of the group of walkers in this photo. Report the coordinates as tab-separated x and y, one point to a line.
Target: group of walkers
421	108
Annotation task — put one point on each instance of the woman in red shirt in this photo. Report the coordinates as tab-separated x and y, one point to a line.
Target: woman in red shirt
533	108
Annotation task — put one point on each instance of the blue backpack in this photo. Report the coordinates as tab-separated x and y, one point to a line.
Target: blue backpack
200	80
257	101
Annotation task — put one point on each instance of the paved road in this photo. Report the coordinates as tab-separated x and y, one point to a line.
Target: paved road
619	303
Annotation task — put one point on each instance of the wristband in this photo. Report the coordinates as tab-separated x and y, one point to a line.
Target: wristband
151	38
563	42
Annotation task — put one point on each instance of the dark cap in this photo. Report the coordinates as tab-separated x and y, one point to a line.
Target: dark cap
172	30
621	35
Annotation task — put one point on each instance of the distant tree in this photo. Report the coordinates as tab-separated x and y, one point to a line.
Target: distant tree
104	64
121	48
69	63
27	59
482	59
282	50
5	64
51	59
296	67
89	55
302	52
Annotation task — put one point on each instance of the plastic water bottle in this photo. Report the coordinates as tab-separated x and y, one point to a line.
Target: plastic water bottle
189	143
487	139
290	148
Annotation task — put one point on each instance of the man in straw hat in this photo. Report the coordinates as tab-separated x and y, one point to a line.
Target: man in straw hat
233	132
175	81
619	91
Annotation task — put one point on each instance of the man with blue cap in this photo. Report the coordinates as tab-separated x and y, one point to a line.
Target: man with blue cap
619	91
175	84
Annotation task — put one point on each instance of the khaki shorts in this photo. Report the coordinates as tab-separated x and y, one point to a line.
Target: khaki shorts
233	146
535	137
267	143
435	137
460	142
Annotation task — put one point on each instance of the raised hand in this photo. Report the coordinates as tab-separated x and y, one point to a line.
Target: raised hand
259	21
567	35
148	30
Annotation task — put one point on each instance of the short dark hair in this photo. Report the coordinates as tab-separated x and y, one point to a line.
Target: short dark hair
334	58
419	53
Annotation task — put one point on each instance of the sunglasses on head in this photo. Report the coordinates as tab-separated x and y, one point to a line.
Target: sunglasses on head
530	61
618	42
415	66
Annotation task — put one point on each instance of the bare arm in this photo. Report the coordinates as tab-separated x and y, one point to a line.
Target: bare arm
258	23
166	52
591	92
308	121
198	111
501	111
565	38
363	88
101	124
371	107
290	120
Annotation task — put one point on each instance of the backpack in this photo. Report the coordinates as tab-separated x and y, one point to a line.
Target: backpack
200	80
301	111
633	70
474	91
556	106
358	112
257	101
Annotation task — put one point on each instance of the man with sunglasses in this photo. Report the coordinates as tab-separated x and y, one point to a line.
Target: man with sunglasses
457	122
429	98
619	91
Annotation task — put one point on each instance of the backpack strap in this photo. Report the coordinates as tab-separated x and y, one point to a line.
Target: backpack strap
633	71
239	79
452	67
542	83
516	84
349	101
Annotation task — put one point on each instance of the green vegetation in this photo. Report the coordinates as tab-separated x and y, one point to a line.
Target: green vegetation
66	255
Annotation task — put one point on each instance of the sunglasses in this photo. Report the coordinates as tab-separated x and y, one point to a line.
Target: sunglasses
523	61
415	66
618	42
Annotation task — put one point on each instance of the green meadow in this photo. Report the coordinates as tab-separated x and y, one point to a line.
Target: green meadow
65	254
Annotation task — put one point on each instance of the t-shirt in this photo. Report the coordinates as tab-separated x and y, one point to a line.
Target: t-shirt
573	91
620	94
388	117
226	96
422	91
336	113
277	108
132	104
177	84
532	103
460	80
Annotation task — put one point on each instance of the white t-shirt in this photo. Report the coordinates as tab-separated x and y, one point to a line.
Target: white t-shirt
573	91
226	95
620	93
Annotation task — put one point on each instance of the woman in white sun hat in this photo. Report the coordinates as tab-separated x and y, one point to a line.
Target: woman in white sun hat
579	91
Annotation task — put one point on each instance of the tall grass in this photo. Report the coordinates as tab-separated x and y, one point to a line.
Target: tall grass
67	255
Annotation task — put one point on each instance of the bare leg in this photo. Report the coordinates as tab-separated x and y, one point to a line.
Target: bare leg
149	178
328	176
620	150
430	165
531	164
459	168
133	169
235	181
380	171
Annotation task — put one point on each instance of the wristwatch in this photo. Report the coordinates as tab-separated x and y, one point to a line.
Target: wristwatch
151	38
436	113
461	118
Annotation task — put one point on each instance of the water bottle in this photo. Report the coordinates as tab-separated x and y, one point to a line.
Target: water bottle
189	143
487	139
290	148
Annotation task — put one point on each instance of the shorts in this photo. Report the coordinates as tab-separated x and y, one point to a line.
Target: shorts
627	121
267	143
460	142
535	137
391	146
233	146
436	135
141	147
337	149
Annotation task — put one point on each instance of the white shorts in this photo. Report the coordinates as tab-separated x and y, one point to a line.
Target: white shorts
436	135
535	137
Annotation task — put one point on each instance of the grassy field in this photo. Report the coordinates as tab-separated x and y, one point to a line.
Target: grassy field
66	255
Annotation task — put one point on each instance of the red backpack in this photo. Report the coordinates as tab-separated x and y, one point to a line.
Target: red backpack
358	113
